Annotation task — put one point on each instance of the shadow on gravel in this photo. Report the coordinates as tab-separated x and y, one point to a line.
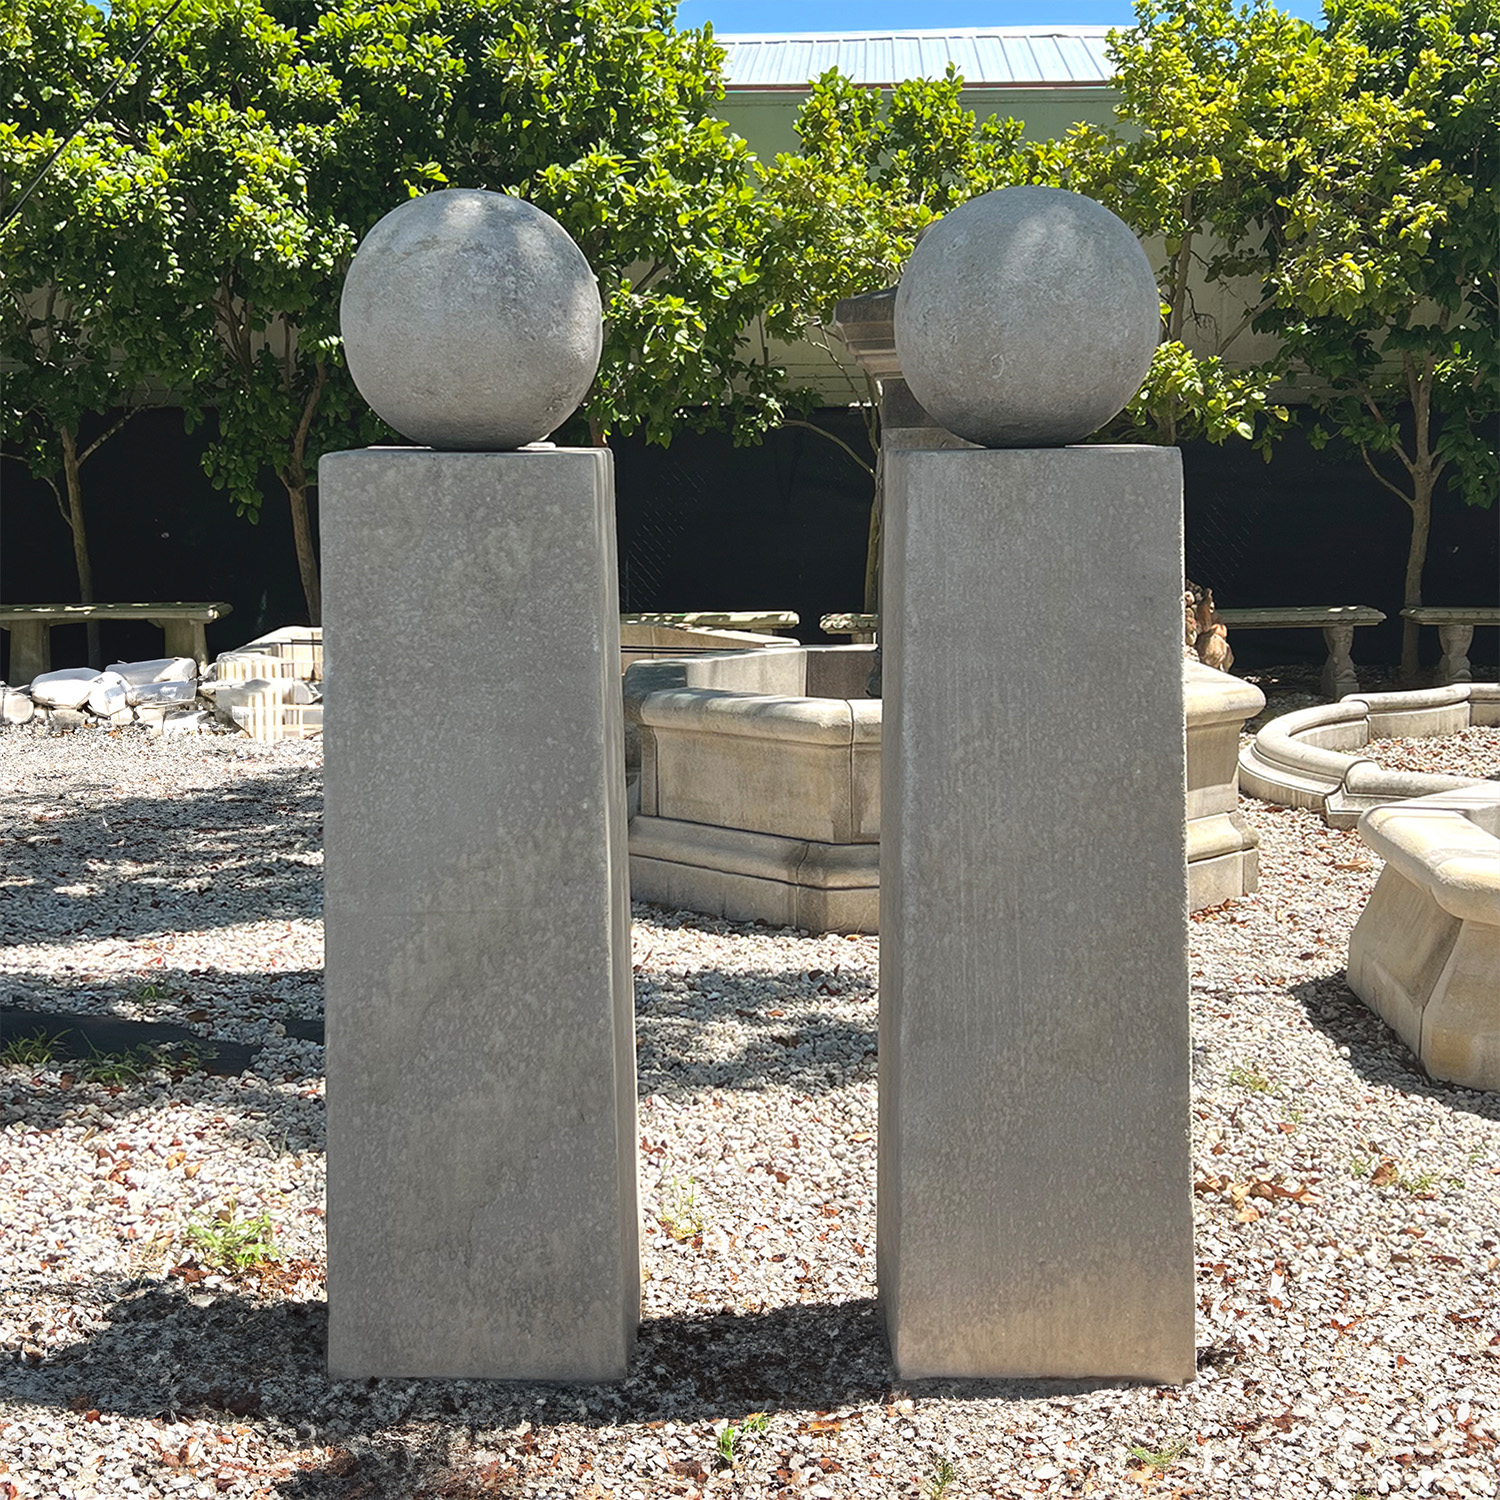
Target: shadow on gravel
45	1105
795	1041
1377	1054
244	1360
173	998
147	857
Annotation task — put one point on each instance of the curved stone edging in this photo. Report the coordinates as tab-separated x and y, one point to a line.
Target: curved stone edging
1426	949
1302	759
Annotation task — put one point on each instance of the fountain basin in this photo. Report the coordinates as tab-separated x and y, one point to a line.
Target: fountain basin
755	786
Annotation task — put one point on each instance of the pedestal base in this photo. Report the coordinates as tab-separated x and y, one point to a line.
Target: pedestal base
482	1209
1034	1196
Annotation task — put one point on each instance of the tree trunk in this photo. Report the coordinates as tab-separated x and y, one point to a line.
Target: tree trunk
294	477
874	543
307	557
1416	558
73	480
1424	469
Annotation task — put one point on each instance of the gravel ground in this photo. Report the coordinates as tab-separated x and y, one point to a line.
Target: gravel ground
1347	1208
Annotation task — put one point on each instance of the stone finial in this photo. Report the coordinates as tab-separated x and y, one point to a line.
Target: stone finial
1026	318
471	320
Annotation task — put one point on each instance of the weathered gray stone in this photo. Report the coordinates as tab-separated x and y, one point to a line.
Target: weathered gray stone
1026	317
167	692
471	320
108	695
16	707
482	1201
68	688
186	721
157	669
1425	953
1034	1209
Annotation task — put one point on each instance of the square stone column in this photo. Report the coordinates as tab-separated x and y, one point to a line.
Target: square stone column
482	1201
1034	1209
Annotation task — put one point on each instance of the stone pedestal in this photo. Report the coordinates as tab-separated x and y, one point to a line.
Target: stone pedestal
482	1208
1034	1193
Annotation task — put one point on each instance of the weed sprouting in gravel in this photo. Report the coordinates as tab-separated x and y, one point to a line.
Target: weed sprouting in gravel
680	1215
233	1242
149	989
943	1477
727	1447
116	1069
1160	1459
135	1065
727	1438
1247	1078
34	1051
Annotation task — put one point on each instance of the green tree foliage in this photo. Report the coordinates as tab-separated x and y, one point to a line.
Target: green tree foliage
1385	246
1201	137
253	132
596	111
601	114
845	212
1333	188
1212	97
87	273
287	127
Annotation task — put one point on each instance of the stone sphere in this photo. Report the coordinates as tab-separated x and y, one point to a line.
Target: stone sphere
1026	318
471	320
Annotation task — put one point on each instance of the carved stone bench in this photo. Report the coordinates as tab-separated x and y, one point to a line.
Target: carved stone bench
1338	623
30	627
1455	628
1425	952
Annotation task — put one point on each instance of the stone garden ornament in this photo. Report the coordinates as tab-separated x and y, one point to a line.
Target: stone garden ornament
1034	1211
483	1213
1027	318
471	320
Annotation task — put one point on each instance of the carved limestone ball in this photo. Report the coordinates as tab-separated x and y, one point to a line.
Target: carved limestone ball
471	320
1026	318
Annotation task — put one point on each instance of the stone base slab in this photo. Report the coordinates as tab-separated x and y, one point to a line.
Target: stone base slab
750	877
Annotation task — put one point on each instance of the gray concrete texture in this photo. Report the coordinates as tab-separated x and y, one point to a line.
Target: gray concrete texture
1027	317
471	320
1034	1210
482	1200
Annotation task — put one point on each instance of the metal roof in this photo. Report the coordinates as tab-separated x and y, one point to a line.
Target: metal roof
988	57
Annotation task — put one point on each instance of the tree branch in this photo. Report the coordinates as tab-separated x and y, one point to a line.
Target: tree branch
62	508
1242	325
299	441
1396	448
107	434
837	441
1401	495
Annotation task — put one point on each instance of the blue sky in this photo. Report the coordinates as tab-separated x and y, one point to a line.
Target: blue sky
872	15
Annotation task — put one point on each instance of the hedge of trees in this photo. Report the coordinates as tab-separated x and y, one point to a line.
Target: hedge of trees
185	181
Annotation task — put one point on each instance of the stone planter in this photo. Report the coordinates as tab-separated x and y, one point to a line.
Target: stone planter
755	786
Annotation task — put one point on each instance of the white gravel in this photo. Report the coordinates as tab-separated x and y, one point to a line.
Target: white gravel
1347	1208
